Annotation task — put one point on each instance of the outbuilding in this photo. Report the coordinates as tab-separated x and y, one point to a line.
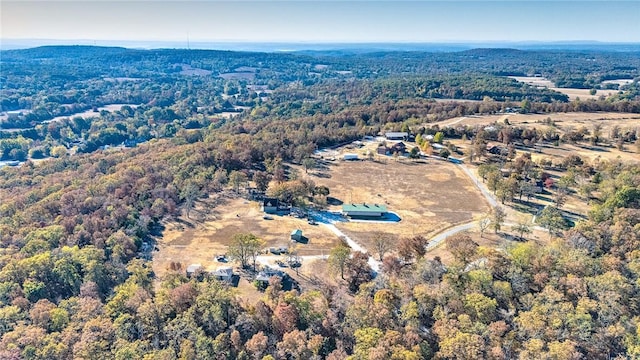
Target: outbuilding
270	205
296	235
364	210
396	135
193	268
223	274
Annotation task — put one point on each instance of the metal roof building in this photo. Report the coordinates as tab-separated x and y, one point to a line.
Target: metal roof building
364	210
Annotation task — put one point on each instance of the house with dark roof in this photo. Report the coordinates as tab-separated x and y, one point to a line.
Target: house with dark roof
364	210
382	150
399	148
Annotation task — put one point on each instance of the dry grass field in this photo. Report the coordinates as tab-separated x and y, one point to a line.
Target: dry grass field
564	122
584	93
533	80
571	92
427	195
211	233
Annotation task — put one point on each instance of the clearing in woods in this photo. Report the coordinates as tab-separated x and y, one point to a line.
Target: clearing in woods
564	122
573	93
211	234
428	195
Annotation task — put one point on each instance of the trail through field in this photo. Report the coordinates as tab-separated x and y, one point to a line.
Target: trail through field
328	219
455	121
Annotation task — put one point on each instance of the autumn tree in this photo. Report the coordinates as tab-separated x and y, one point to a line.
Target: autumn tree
262	180
358	270
462	247
413	247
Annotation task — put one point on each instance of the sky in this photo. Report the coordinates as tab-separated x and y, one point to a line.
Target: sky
323	21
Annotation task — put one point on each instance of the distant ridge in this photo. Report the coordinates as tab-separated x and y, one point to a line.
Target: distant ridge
7	44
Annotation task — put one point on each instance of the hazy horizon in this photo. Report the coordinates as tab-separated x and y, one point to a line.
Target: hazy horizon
317	22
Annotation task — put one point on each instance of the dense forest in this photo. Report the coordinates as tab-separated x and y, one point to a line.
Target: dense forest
77	231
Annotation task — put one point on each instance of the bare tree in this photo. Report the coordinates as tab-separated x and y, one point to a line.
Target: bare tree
189	194
484	224
382	243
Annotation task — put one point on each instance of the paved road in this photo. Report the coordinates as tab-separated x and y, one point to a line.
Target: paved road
483	189
440	237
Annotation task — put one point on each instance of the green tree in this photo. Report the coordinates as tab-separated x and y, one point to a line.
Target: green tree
237	178
521	228
551	219
245	247
497	218
338	258
485	169
308	163
438	137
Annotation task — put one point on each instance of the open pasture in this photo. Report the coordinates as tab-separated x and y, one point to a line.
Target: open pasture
210	232
428	195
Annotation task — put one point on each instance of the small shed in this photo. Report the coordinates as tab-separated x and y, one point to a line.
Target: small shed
193	268
350	157
223	274
296	235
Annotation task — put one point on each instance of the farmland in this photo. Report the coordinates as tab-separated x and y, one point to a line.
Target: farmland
571	92
415	191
